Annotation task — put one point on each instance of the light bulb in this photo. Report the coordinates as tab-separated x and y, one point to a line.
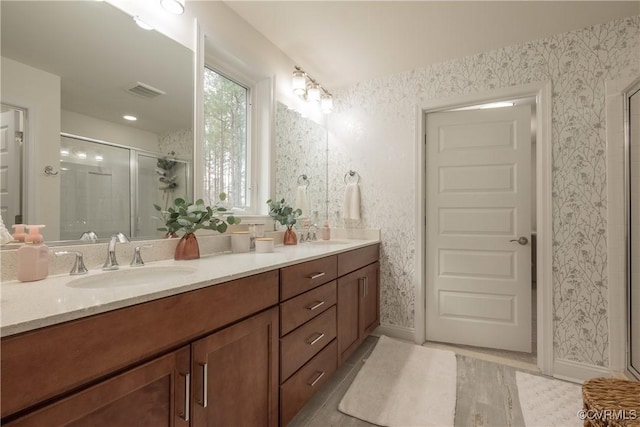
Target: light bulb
313	92
142	24
326	103
298	83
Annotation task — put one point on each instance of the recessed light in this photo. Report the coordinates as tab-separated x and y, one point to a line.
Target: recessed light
99	158
173	6
130	118
82	155
64	152
142	24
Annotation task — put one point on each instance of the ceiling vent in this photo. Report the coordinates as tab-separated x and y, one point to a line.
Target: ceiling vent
144	90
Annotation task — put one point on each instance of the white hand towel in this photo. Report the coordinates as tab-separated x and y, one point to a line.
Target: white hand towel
352	201
302	200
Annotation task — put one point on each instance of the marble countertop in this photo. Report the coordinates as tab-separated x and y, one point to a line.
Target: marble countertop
31	305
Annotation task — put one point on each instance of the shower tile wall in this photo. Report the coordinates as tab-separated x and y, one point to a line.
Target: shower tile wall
373	132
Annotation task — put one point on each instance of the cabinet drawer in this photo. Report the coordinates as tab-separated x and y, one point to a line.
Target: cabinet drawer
303	343
299	278
300	387
302	308
353	260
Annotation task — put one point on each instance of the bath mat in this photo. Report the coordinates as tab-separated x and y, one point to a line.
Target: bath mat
404	384
548	402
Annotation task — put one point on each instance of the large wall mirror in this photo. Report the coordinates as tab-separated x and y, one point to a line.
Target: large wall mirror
71	71
301	163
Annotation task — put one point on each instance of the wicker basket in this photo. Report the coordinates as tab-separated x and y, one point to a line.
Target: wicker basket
611	402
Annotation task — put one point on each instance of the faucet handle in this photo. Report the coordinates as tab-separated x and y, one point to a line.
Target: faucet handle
137	258
78	266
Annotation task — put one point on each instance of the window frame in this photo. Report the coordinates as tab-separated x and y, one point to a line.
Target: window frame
250	139
261	86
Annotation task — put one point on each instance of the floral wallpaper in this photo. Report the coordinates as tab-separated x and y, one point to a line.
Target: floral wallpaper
301	149
373	128
179	141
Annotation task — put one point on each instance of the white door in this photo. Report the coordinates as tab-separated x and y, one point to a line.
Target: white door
10	168
478	206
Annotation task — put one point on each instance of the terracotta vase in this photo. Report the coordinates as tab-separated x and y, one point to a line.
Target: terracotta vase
187	248
290	237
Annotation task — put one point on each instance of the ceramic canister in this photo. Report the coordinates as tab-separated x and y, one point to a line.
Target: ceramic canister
240	242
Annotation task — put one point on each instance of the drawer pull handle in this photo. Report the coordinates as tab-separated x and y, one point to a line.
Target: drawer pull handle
187	393
320	375
203	401
316	305
317	275
318	338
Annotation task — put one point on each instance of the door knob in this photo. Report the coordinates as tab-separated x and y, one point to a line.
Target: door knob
521	241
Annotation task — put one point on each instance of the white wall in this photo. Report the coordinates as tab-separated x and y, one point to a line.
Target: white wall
38	92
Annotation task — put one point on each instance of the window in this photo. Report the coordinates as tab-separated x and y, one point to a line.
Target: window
226	134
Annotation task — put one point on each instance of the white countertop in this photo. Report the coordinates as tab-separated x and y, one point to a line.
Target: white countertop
31	305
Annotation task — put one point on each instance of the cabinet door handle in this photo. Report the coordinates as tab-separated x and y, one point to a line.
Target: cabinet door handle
366	286
187	394
312	383
205	368
316	305
318	338
361	281
317	275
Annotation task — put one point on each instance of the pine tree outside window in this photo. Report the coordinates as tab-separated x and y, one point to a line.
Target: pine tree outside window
226	147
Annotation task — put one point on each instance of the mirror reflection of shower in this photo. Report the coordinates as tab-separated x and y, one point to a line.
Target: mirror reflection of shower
108	188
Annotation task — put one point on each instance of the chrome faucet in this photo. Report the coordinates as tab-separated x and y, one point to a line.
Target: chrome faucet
78	266
137	258
112	263
309	237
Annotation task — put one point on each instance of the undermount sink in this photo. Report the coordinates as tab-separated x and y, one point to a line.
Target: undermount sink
330	242
136	276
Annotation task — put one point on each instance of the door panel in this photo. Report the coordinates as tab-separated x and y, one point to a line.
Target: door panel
478	205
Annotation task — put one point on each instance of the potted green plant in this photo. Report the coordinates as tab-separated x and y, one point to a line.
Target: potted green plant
285	215
190	217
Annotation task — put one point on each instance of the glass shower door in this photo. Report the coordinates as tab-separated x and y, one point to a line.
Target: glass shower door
95	190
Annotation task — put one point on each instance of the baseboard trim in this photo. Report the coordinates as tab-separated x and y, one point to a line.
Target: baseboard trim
577	372
393	331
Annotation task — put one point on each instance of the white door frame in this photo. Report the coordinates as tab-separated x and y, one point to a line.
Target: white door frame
542	92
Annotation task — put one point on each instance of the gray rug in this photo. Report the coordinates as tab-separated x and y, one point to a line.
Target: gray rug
404	384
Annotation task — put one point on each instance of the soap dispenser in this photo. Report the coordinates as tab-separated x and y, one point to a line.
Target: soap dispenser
33	256
19	232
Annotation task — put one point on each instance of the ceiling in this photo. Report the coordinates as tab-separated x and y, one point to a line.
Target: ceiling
343	42
98	51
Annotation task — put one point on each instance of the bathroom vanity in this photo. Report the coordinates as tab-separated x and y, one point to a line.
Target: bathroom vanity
250	350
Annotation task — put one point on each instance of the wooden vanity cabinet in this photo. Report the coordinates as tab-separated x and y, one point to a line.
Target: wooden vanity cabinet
155	394
358	304
122	367
235	374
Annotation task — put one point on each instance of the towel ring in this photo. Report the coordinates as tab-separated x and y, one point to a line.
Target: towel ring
350	174
303	179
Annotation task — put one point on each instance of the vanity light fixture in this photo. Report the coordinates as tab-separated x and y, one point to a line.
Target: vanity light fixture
173	6
142	24
130	118
307	88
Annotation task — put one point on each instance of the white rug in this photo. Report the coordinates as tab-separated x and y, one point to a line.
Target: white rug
548	402
404	384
